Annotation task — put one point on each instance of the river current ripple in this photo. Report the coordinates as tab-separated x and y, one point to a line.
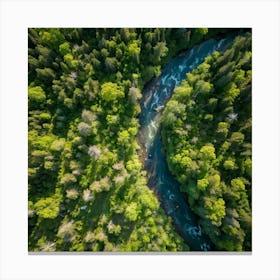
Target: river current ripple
155	96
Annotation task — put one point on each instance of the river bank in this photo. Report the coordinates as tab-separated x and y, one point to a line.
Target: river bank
155	96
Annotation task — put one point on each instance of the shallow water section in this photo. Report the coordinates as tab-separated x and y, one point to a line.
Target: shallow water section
155	96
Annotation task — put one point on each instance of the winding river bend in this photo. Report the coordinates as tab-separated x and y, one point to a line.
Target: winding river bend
160	180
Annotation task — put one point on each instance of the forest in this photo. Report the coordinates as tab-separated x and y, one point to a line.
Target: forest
87	187
206	130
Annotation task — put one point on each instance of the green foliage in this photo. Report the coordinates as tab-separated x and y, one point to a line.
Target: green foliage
237	185
70	61
132	211
64	48
47	208
248	167
215	210
202	31
183	91
111	92
160	50
229	165
237	137
36	94
68	179
222	129
52	37
86	188
232	91
203	87
102	185
134	51
123	137
57	145
202	184
173	113
111	64
45	116
45	75
210	151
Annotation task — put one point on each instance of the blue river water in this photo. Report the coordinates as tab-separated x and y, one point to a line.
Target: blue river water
155	96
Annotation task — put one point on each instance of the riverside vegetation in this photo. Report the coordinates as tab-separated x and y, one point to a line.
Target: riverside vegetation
207	135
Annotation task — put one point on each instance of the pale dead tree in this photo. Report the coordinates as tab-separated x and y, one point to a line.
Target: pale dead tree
95	186
110	226
88	116
134	94
103	220
31	213
194	139
73	75
76	47
103	184
94	152
115	248
49	247
101	236
233	116
90	237
108	247
67	231
118	166
84	129
72	193
87	195
188	126
119	179
76	172
68	179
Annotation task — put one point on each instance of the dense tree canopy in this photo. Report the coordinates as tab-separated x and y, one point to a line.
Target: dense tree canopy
84	173
207	137
87	190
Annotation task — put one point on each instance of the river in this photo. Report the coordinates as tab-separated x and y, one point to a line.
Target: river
155	96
